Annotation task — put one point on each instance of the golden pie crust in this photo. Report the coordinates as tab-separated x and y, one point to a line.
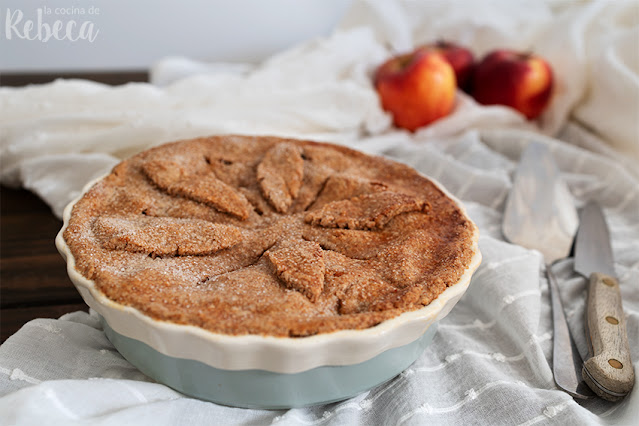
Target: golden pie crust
264	235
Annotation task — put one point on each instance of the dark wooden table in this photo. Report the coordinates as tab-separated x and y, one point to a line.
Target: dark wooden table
33	277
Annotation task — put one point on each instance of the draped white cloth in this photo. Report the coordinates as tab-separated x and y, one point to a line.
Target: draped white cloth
490	361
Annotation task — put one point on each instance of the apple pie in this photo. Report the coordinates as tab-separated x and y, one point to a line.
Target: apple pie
269	236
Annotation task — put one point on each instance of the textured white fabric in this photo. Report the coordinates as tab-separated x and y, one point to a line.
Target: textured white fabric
490	360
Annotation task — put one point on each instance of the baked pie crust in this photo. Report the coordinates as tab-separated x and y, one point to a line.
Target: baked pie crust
269	236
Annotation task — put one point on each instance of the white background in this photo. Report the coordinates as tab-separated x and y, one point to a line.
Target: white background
135	34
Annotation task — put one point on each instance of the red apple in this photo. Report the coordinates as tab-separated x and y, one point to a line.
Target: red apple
459	57
520	80
416	88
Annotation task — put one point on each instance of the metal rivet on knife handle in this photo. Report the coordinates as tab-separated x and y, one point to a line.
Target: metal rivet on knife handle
612	320
615	364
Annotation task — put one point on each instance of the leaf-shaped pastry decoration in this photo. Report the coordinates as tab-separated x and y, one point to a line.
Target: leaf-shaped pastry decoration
312	184
341	186
300	266
280	175
205	188
409	255
165	236
230	169
368	211
354	243
254	196
365	294
358	287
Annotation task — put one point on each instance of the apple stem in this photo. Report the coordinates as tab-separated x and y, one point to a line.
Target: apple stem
405	60
527	54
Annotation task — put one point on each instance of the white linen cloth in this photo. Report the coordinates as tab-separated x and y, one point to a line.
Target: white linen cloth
490	362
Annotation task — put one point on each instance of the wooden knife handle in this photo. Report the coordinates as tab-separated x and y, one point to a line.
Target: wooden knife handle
608	370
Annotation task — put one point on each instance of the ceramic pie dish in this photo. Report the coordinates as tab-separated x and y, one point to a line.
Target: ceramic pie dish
267	369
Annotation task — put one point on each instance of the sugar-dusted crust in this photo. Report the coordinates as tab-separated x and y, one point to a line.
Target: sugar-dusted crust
212	232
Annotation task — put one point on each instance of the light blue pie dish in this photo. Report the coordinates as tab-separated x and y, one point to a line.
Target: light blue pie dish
256	371
266	389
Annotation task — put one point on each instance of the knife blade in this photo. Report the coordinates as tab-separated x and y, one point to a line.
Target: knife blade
608	368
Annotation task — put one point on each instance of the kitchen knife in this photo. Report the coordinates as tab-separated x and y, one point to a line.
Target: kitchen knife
540	214
608	369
